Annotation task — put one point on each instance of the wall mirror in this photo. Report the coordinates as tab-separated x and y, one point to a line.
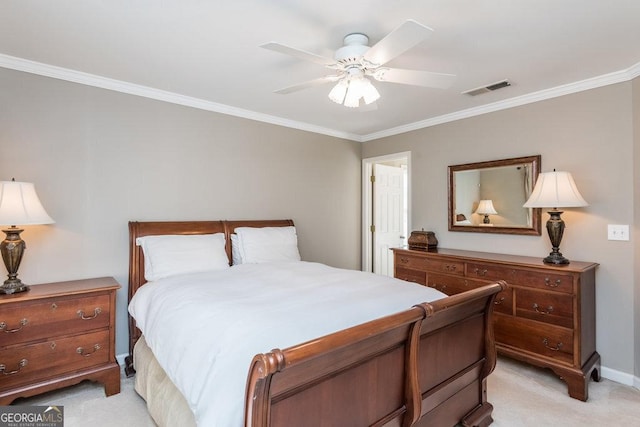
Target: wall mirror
487	197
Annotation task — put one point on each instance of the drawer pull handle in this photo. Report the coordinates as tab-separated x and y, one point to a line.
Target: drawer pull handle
548	282
404	260
3	326
21	365
96	311
81	352
480	272
546	344
450	267
536	307
498	302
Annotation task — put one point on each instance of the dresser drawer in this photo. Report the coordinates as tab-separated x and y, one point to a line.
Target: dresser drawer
549	307
26	364
414	276
504	301
410	261
52	316
452	284
546	281
490	272
447	266
543	339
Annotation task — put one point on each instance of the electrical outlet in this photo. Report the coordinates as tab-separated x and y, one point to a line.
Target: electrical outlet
618	232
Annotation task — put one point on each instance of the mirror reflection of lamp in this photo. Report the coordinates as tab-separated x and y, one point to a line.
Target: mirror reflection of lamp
19	205
485	207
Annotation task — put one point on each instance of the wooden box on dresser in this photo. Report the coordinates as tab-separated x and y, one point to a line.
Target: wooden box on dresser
546	316
56	335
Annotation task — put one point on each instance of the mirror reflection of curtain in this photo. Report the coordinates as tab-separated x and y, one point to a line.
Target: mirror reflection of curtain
527	187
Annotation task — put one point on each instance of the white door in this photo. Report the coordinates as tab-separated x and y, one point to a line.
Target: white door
388	215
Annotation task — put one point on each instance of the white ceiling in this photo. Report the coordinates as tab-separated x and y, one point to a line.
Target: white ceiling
206	54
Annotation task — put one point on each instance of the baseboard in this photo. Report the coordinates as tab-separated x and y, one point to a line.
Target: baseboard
620	377
120	359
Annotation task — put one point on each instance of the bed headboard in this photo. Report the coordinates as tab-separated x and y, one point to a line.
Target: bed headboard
155	228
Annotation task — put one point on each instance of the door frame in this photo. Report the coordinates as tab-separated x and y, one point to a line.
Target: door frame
367	202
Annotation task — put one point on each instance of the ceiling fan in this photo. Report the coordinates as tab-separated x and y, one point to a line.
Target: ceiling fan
356	62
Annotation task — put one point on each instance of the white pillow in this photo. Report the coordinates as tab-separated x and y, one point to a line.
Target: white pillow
170	255
236	256
267	244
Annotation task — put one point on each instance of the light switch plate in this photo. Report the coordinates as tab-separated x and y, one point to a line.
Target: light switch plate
618	232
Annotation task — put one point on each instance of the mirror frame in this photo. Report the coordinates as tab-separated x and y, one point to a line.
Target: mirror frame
534	230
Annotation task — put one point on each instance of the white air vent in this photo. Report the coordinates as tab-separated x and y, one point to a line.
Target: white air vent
488	88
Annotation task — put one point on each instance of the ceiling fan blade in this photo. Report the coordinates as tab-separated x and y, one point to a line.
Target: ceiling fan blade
298	53
397	42
414	77
307	84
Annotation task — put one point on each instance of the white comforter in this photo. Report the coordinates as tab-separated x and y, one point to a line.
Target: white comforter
205	328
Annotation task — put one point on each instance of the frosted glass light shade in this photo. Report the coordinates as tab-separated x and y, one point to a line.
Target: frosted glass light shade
555	190
339	91
19	205
369	92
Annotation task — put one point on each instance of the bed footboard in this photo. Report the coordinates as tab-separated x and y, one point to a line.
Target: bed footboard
424	366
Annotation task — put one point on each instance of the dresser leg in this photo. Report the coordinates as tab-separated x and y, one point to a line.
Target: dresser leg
579	382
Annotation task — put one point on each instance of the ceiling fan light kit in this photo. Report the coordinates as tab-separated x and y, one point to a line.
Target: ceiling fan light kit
355	63
353	87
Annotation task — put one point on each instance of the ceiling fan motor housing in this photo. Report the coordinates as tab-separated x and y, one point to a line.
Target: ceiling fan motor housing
355	46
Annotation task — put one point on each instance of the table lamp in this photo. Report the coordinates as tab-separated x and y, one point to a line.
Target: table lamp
19	205
555	190
485	207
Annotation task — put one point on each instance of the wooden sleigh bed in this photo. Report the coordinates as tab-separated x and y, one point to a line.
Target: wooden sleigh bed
425	366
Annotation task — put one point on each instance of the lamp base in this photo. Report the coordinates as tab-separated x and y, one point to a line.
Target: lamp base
13	287
556	258
12	248
555	228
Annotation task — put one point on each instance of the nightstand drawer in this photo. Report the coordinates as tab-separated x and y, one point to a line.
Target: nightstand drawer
548	307
546	340
53	316
25	364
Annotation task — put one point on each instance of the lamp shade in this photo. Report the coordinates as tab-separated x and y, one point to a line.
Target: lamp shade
555	190
19	205
485	207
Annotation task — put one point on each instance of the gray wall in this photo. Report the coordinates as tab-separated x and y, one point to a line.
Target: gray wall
589	134
100	159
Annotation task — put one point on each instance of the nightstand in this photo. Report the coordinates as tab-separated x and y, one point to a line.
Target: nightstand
56	335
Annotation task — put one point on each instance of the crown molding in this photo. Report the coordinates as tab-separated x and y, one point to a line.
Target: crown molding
46	70
596	82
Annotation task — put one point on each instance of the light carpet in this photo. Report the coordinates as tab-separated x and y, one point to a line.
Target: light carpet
522	395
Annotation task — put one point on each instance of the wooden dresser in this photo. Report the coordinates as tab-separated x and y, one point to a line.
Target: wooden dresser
546	317
56	335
